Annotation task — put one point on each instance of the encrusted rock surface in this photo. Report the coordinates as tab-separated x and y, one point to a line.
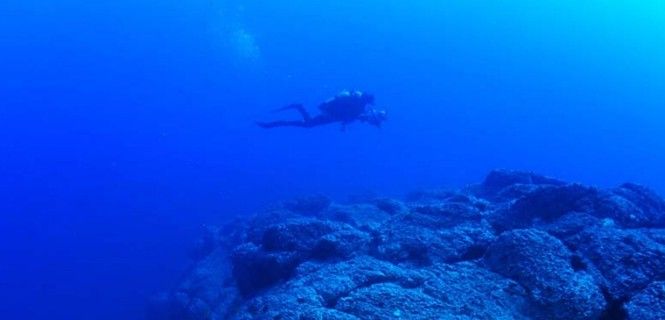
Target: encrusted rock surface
649	304
517	246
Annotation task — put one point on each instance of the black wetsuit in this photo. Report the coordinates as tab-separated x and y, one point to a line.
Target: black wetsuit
344	108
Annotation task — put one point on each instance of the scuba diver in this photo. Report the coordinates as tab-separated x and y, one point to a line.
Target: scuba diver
345	107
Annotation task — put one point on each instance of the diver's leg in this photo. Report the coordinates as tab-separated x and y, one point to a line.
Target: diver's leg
300	108
303	112
274	124
308	123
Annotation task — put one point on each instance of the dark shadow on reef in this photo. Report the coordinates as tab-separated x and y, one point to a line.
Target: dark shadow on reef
517	246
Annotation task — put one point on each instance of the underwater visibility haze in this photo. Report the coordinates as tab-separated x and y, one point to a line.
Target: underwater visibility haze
128	128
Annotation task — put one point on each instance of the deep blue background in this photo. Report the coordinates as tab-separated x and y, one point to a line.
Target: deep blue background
127	125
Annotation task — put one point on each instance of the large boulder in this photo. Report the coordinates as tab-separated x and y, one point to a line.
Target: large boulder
629	206
390	301
648	304
543	265
632	206
255	269
283	246
298	235
627	260
316	288
544	204
364	216
469	291
205	293
367	288
501	184
571	224
434	232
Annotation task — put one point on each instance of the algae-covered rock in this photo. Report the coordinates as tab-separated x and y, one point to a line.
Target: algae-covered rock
517	246
543	265
648	304
628	260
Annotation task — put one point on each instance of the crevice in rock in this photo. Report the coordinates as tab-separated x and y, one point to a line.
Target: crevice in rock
474	252
615	308
418	253
577	263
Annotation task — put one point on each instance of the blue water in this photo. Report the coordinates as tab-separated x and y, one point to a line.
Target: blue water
125	126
